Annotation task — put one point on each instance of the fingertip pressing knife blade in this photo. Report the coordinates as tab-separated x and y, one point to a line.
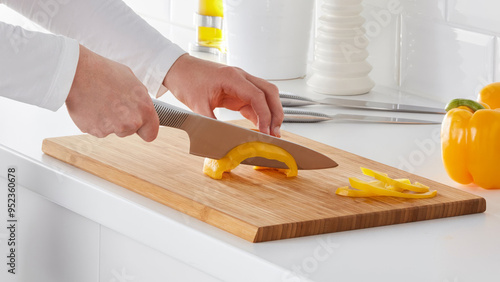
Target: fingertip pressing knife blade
290	100
213	139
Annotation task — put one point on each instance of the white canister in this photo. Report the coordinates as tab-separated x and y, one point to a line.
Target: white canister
340	66
269	38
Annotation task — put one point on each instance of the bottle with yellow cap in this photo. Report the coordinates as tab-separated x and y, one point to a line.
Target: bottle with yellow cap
209	20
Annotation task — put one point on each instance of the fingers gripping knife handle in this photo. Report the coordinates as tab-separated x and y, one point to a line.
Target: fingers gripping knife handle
169	115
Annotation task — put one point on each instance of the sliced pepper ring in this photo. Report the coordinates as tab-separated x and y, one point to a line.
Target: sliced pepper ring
216	168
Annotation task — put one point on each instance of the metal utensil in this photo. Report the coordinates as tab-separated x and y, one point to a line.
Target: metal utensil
212	138
290	100
309	117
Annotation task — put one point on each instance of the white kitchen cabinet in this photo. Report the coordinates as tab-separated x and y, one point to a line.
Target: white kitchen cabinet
56	244
125	260
53	243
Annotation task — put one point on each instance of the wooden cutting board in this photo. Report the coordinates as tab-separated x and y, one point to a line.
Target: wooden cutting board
254	205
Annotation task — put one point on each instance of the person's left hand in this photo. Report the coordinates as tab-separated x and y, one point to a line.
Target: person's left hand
203	86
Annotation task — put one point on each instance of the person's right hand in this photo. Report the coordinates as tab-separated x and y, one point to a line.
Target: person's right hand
106	98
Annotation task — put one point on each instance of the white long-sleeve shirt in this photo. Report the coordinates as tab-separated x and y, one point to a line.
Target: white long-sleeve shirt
38	68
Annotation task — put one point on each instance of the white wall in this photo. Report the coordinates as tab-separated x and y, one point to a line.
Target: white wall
435	48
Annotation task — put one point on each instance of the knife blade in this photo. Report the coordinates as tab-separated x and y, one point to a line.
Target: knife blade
213	139
290	100
297	116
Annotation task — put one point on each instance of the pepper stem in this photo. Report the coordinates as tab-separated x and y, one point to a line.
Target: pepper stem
471	104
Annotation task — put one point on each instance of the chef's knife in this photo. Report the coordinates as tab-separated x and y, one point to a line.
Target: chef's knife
309	117
290	100
213	139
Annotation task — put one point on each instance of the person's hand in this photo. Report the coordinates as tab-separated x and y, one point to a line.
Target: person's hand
203	86
106	98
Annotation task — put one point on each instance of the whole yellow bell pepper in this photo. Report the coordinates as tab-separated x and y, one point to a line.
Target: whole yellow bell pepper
470	142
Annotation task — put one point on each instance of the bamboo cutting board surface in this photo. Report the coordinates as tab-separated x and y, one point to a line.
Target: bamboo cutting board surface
254	205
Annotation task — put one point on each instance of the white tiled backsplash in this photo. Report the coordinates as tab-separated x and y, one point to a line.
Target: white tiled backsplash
439	49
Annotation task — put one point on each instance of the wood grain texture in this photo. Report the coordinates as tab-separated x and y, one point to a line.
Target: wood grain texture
254	205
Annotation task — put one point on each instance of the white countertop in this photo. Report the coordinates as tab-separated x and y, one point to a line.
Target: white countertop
457	249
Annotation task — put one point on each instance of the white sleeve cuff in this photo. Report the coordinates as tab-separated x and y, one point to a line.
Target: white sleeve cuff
159	68
63	75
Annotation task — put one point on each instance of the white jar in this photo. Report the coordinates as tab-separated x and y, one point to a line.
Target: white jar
340	66
269	38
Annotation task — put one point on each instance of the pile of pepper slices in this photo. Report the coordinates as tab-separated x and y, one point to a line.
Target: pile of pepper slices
383	185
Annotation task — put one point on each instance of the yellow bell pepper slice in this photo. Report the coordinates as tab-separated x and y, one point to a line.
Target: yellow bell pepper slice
417	187
346	191
216	168
379	191
391	187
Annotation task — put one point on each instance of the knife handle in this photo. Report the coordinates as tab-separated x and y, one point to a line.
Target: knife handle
170	115
304	116
290	100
